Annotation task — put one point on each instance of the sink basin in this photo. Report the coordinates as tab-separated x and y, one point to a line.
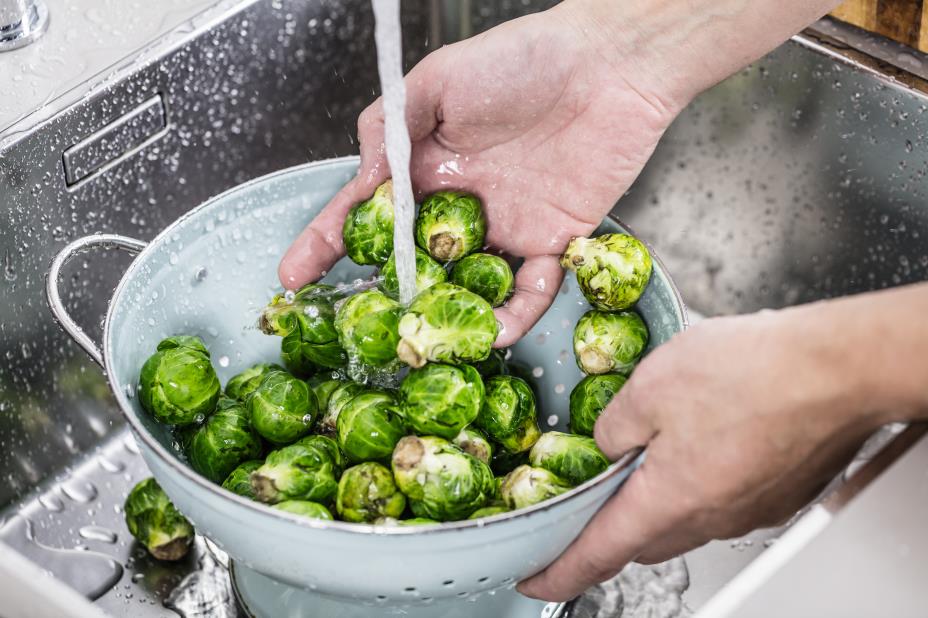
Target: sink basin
792	181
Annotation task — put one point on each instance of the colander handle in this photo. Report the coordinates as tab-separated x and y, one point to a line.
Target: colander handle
53	294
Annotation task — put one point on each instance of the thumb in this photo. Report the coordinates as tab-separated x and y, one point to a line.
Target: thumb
626	422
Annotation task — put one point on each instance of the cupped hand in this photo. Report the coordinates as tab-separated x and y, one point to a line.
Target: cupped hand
745	420
536	121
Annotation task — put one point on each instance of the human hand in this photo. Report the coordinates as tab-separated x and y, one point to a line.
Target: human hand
532	116
745	420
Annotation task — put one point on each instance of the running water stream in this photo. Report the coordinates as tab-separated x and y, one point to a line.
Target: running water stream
396	139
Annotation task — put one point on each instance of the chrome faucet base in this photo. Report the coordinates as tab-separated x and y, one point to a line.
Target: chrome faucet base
22	28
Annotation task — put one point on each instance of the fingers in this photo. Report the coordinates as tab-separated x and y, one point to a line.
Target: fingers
536	284
625	423
612	539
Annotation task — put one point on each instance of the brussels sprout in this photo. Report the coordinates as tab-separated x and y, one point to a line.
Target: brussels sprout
156	523
239	481
488	276
341	394
504	462
588	399
508	413
612	270
305	470
609	342
441	481
243	384
368	228
225	440
369	427
305	508
282	408
441	400
428	273
493	365
412	521
178	385
526	486
472	441
367	492
306	321
450	225
323	389
367	328
488	511
446	324
576	459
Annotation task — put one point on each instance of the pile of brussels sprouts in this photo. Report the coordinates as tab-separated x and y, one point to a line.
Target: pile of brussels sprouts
396	415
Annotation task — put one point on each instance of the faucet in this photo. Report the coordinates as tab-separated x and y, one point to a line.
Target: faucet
21	22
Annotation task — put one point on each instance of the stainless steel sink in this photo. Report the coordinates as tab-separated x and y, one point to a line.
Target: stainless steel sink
800	178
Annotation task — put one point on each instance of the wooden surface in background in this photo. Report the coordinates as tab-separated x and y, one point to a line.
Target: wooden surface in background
905	21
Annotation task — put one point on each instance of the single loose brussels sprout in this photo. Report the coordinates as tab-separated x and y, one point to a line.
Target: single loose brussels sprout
504	462
589	398
609	342
367	492
441	400
474	442
156	523
367	326
239	481
450	225
508	414
306	321
243	384
493	365
177	384
488	276
225	440
428	273
488	511
441	481
576	459
369	427
368	228
305	470
282	408
526	486
446	324
305	508
340	395
612	270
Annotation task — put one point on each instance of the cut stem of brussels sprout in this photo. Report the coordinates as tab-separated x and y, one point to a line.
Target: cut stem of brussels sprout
369	427
526	486
428	273
441	400
589	398
156	523
472	441
367	492
177	384
446	324
239	480
283	408
305	470
368	228
508	415
613	270
488	276
609	342
576	459
450	225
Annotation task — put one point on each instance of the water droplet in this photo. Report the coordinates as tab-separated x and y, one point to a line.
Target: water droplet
200	274
130	391
113	467
307	419
98	533
79	491
130	445
289	296
559	388
223	361
552	420
538	372
51	502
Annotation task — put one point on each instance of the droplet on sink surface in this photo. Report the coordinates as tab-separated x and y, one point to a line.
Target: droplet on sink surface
98	533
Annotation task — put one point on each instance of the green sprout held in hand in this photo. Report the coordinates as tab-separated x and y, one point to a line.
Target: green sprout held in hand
488	276
156	523
526	486
576	459
441	400
446	324
368	228
441	481
239	480
612	270
589	398
306	508
224	441
508	415
307	324
428	273
178	385
367	492
306	470
244	383
369	427
367	325
450	225
609	342
283	408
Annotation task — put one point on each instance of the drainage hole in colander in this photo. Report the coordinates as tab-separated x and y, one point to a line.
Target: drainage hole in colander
448	583
483	580
381	598
409	590
508	580
462	594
